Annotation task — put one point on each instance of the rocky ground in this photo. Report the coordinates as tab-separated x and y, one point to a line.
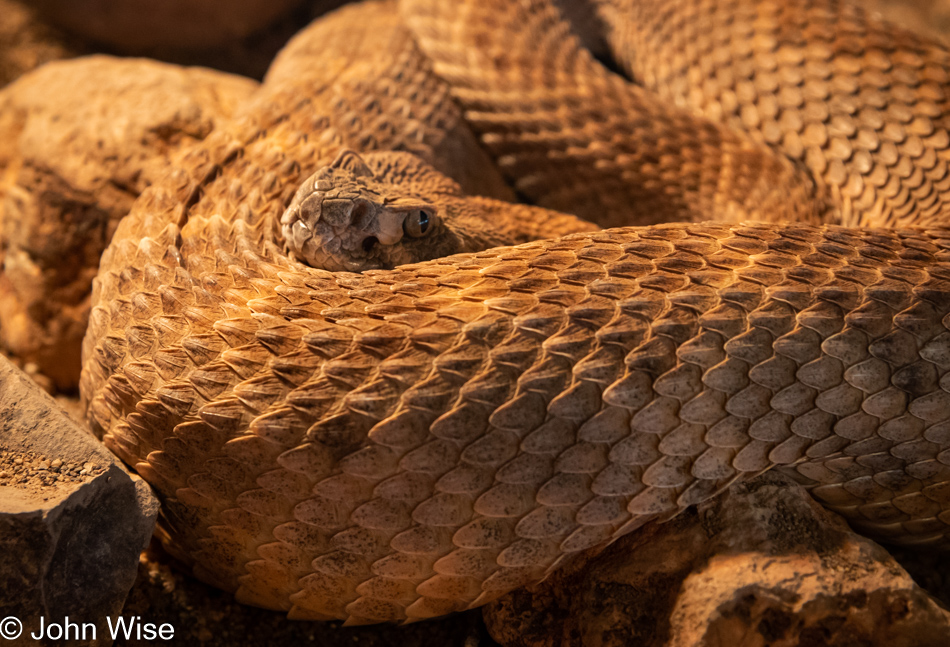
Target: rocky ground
35	32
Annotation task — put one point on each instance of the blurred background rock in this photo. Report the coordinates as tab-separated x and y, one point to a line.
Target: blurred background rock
239	36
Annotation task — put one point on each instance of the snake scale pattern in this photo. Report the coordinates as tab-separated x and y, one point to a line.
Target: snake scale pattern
403	443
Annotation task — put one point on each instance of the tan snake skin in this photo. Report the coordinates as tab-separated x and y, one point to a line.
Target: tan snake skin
405	443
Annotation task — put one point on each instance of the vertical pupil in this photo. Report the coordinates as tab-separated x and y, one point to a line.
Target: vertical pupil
423	221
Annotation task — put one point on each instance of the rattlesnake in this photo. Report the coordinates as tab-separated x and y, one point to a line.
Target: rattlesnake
407	442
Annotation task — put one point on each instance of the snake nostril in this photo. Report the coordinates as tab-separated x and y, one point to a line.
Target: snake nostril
369	243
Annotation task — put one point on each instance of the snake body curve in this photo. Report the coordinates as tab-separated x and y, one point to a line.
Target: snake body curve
404	443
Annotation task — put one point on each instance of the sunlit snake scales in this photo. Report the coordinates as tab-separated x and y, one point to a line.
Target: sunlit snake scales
406	443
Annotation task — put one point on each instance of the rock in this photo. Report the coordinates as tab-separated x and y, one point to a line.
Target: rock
167	23
29	38
761	565
79	140
71	540
26	42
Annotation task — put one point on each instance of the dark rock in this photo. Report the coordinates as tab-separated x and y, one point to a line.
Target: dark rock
171	23
73	521
26	42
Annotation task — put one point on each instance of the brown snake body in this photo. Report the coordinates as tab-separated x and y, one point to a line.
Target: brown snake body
404	443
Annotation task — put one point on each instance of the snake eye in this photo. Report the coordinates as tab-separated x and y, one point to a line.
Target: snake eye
418	223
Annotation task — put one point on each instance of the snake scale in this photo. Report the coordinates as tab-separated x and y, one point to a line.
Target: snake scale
406	442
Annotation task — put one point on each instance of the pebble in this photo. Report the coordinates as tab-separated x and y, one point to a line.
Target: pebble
33	470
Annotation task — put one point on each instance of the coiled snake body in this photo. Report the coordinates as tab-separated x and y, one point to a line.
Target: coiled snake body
407	442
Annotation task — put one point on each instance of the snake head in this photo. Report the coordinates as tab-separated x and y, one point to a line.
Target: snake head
345	218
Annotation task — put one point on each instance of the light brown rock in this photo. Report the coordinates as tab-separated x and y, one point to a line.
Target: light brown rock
79	140
72	520
761	565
